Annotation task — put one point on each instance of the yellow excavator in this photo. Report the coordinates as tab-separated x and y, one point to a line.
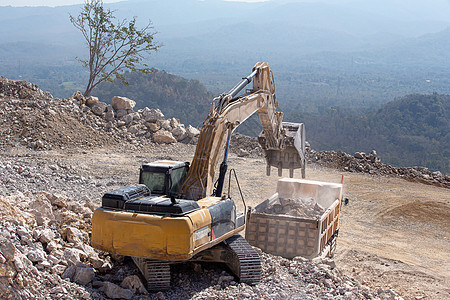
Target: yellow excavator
177	213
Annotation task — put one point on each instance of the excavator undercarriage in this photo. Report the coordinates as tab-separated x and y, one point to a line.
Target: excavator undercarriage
235	252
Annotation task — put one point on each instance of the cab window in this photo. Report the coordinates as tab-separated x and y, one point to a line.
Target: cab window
154	181
178	176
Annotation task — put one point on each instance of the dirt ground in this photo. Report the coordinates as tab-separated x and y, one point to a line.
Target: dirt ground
393	233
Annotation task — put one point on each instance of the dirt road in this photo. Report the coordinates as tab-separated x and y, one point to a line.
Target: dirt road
393	234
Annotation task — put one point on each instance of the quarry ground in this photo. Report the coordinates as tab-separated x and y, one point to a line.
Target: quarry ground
393	233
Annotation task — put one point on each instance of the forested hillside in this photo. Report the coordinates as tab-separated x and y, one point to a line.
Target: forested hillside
177	97
412	130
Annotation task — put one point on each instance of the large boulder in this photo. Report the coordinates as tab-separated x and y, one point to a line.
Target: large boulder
135	129
122	103
164	137
42	210
360	155
56	200
127	119
35	255
122	112
78	96
83	275
46	236
114	291
165	124
136	116
80	274
91	101
179	132
69	272
130	117
99	108
72	256
192	131
152	115
174	123
109	115
153	127
134	284
72	235
7	248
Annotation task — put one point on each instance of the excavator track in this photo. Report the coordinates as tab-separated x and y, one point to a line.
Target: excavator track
248	264
156	273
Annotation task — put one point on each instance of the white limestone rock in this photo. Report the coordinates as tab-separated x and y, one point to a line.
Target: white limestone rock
192	131
163	137
152	115
119	102
165	124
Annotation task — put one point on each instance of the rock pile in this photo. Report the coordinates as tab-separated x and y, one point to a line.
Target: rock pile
371	164
21	90
30	175
45	254
302	207
245	146
145	123
44	247
33	118
298	278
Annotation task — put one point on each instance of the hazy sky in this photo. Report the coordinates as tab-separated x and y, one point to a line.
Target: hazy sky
45	2
67	2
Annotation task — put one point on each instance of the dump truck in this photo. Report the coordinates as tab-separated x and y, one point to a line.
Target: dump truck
300	219
178	211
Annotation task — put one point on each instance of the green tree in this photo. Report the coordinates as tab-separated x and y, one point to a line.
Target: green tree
113	46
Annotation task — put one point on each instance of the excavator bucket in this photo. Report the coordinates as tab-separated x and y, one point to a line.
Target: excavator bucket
291	154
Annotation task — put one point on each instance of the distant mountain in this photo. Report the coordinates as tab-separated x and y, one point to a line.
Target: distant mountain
430	50
231	30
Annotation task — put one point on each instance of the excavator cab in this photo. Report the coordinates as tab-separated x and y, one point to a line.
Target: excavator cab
164	177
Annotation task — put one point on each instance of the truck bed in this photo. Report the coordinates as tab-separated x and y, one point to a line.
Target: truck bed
291	236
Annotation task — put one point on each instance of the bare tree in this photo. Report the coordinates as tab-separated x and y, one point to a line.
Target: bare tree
113	46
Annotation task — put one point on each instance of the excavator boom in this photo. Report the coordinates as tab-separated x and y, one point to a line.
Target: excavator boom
283	145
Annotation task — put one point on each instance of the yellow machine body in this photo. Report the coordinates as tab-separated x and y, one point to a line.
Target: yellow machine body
156	236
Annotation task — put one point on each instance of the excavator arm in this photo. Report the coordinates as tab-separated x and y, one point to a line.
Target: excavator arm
227	113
